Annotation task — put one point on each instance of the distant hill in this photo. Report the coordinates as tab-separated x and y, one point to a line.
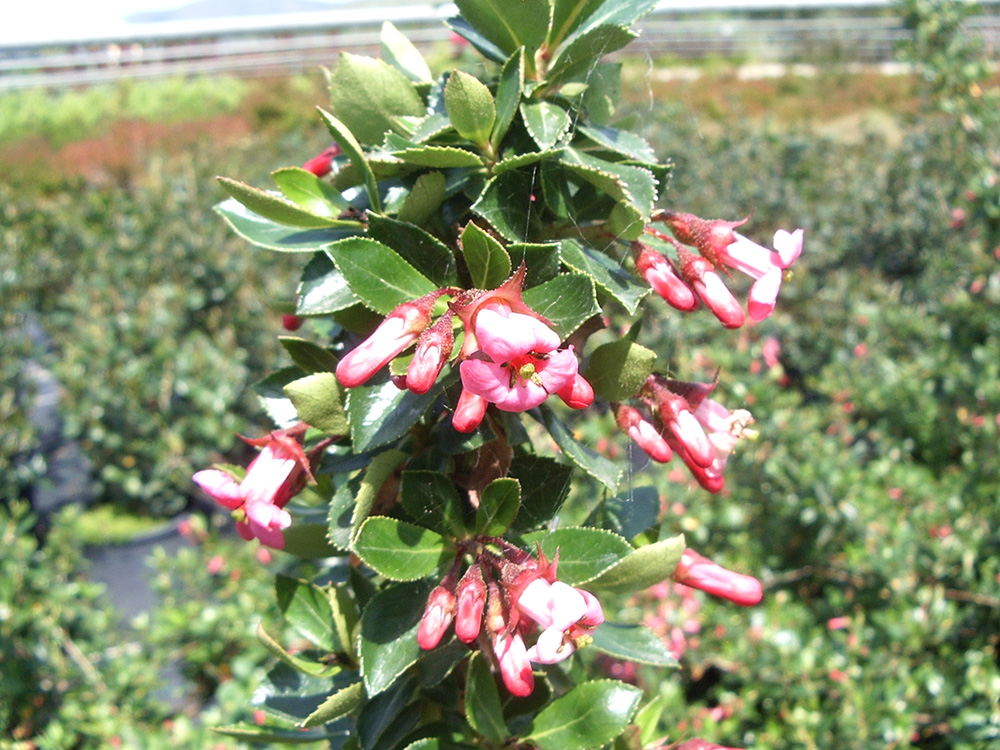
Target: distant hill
201	9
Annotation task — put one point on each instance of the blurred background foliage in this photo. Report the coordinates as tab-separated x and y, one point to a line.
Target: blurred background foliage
869	505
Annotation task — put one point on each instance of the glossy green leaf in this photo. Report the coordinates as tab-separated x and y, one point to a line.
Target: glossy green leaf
509	89
486	47
567	16
567	302
482	701
291	696
584	554
633	643
317	669
588	716
377	274
430	126
307	610
512	161
401	551
382	413
633	185
338	704
379	470
509	24
470	106
323	289
582	51
344	137
317	401
622	142
604	92
547	123
308	355
486	259
541	260
365	95
498	506
399	52
607	273
312	193
618	370
307	540
389	716
425	198
600	468
505	203
432	500
389	633
645	567
422	250
628	513
439	157
544	484
277	209
272	235
258	735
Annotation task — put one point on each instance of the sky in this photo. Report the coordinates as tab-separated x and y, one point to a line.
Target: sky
36	20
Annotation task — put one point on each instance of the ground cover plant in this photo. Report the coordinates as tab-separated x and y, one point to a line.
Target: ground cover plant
874	389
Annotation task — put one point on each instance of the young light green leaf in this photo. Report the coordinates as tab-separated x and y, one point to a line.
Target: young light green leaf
618	370
309	191
633	643
587	717
426	196
398	51
345	139
486	259
317	401
401	551
338	704
366	94
272	235
271	206
583	553
439	157
645	567
317	669
470	107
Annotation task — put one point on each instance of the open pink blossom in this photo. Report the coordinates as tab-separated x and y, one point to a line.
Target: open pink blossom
518	364
278	472
766	266
565	613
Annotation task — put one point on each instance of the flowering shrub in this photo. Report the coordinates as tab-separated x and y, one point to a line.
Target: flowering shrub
470	245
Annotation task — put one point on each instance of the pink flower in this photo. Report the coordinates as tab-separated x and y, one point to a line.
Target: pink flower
578	393
433	350
437	617
566	614
320	165
662	275
643	433
514	665
278	472
703	278
764	265
400	329
519	363
471	605
701	573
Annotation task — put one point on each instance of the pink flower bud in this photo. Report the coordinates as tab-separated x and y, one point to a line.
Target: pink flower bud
320	165
437	617
514	665
578	393
291	322
469	411
433	350
661	274
400	329
471	604
699	572
643	433
699	744
702	277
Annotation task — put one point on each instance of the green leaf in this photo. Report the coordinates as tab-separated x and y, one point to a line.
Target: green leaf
622	142
498	506
604	91
323	288
633	185
401	551
399	52
567	302
255	734
309	356
309	191
625	221
382	413
588	716
487	48
470	107
432	500
291	696
618	370
344	137
425	198
482	701
596	465
390	716
317	401
379	470
509	24
420	249
307	610
633	643
615	12
584	554
271	391
513	160
541	260
581	53
505	204
277	209
606	272
377	274
510	87
307	540
271	235
389	633
547	123
317	669
486	259
545	483
645	567
567	15
338	704
439	157
366	94
629	513
346	609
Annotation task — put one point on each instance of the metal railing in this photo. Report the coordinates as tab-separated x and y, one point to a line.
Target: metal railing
761	30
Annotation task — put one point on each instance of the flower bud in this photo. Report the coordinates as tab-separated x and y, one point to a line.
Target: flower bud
701	573
578	393
471	604
469	411
643	433
661	274
437	617
320	165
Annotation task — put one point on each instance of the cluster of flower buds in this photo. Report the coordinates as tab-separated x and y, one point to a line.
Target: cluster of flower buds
510	356
504	601
683	420
695	278
277	474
